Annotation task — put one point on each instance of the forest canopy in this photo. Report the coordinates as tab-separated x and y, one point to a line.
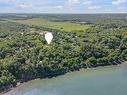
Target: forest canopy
92	41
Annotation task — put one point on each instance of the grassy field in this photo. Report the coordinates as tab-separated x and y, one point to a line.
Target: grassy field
65	26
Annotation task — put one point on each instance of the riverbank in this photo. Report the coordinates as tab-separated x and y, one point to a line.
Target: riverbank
88	82
80	70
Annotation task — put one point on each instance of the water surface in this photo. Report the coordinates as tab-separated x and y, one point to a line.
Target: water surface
100	81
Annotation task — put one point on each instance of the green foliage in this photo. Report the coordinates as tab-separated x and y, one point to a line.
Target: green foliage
6	79
25	54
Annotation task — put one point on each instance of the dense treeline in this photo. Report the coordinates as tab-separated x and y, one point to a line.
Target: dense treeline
25	55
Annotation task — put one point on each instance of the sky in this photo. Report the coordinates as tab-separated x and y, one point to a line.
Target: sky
63	6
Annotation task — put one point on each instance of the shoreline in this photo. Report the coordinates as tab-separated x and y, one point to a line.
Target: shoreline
80	70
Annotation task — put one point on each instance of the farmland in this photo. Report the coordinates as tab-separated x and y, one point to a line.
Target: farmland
63	26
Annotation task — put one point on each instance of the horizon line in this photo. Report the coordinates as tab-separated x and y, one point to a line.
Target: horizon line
69	13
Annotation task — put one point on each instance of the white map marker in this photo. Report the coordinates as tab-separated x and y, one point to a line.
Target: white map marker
48	37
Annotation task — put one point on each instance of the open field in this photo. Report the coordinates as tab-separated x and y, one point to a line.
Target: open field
65	26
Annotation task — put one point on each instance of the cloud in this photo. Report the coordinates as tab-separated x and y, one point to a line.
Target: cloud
90	5
87	2
7	1
121	8
63	6
118	2
93	7
24	5
59	7
73	2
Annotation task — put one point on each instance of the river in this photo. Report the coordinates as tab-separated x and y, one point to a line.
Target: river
110	80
